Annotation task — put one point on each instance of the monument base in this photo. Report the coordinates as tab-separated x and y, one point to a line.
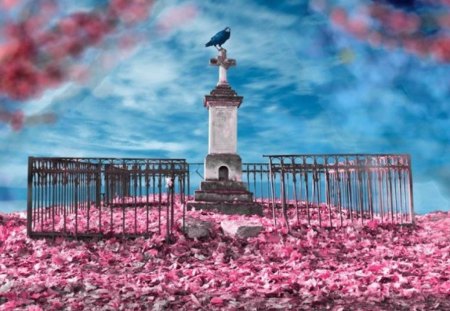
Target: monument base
226	197
227	208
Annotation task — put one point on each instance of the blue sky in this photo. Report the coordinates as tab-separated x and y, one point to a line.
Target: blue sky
311	84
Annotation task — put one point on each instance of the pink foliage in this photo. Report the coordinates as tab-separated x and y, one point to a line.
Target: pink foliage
381	26
378	266
176	16
36	57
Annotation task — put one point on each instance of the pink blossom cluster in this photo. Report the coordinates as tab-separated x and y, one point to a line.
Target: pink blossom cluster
372	267
36	56
381	26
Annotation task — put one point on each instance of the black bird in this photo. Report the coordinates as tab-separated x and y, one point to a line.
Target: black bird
219	38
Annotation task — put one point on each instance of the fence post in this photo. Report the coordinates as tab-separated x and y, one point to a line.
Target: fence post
411	201
272	188
283	195
30	197
98	190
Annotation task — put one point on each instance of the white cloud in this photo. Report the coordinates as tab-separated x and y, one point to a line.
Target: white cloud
46	100
159	145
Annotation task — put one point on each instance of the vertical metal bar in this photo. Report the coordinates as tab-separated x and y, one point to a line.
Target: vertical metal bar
98	190
46	183
53	206
140	176
380	191
360	188
339	194
135	184
294	184
81	189
395	186
391	202
301	184
305	172
159	202
283	194
268	185
35	192
400	182
248	177
327	190
172	203
167	211
272	187
88	201
41	195
30	197
60	186
184	202
76	202
411	196
261	183
370	193
404	195
147	189
254	182
349	194
286	188
154	183
112	180
188	174
65	196
316	193
123	183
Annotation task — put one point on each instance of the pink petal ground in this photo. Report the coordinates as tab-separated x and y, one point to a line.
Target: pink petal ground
373	267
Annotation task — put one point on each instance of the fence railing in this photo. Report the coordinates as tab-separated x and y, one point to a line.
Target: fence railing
89	197
336	188
257	178
94	197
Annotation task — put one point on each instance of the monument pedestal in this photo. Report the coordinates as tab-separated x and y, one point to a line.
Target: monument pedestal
222	190
228	208
225	196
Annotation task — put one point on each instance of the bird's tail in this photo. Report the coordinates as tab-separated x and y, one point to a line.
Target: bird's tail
208	44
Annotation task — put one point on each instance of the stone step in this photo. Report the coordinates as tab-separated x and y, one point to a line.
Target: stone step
224	195
228	208
222	185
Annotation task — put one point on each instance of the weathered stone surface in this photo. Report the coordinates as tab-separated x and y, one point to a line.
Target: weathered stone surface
228	208
196	228
222	129
223	95
223	196
222	185
232	161
241	228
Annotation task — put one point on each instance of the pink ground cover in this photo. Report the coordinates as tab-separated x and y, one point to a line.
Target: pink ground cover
371	267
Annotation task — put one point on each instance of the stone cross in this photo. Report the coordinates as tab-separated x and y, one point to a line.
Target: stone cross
223	63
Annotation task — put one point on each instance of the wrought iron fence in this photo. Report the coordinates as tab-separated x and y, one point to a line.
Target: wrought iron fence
93	197
257	177
337	188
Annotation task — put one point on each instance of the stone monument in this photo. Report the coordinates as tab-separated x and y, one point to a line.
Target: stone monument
222	189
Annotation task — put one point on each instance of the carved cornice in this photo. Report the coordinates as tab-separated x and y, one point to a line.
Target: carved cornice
222	95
